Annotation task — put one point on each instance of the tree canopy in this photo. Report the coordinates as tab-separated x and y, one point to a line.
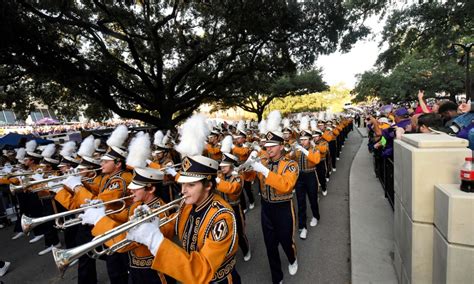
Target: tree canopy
419	37
157	61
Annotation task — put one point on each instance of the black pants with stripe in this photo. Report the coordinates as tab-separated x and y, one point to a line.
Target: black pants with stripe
240	220
307	185
278	225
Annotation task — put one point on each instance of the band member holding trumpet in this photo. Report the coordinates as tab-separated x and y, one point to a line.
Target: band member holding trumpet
277	177
241	149
307	157
321	168
205	224
229	187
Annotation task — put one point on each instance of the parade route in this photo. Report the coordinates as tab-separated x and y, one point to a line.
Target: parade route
324	257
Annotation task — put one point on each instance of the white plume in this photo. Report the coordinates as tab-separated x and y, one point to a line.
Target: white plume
118	136
286	123
304	123
227	144
87	147
194	134
158	138
166	138
241	126
30	146
262	127
48	151
273	121
313	124
139	150
320	116
299	116
20	154
68	149
97	143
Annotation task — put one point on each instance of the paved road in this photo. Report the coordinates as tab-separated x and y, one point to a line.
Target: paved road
324	257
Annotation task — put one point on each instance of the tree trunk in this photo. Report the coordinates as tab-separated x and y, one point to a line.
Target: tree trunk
259	115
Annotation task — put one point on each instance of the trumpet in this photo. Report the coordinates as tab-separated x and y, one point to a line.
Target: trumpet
26	185
17	174
28	223
64	257
290	147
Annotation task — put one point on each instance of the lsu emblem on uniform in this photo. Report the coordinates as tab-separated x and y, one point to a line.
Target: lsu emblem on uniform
220	230
292	168
186	164
114	185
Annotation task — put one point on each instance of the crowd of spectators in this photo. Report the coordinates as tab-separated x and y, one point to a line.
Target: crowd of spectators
390	122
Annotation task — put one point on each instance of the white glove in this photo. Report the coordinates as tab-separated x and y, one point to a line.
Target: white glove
218	180
37	176
170	171
148	161
72	181
258	167
257	148
7	169
92	215
147	233
53	186
233	146
302	150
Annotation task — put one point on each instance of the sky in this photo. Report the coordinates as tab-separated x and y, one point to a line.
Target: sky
342	68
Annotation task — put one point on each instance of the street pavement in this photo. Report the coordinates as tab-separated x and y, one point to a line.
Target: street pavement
324	257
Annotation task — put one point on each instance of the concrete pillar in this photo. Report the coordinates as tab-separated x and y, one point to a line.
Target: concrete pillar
453	245
421	161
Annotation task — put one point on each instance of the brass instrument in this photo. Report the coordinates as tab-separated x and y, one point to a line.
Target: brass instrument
26	185
17	174
28	223
64	257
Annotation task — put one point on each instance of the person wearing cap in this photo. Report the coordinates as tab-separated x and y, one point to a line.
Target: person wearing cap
307	157
212	149
229	187
243	152
330	137
277	176
145	187
206	229
162	159
110	185
321	168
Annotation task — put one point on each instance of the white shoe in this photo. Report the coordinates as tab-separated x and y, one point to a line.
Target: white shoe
303	235
337	159
5	267
48	249
248	256
35	239
18	235
2	226
327	179
314	222
245	211
293	268
334	169
342	146
251	206
325	192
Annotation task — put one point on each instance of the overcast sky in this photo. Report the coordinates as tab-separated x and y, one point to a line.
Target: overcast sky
338	67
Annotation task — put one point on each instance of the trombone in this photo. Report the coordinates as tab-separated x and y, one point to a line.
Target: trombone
64	257
26	185
28	223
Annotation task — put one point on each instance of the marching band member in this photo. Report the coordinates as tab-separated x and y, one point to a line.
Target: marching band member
163	160
307	184
206	225
321	168
277	178
242	152
330	138
212	149
229	187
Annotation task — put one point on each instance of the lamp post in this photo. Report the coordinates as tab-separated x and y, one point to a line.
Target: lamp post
467	54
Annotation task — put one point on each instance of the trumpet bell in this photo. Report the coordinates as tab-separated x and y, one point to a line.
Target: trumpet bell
26	224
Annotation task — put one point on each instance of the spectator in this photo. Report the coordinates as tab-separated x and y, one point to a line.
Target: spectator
449	111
